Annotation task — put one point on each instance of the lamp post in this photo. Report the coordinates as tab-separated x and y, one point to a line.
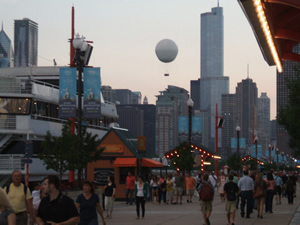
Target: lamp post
238	129
255	141
190	104
277	152
282	157
270	147
80	46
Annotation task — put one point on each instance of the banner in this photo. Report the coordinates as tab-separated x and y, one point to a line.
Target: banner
233	143
183	125
67	92
259	151
196	124
91	88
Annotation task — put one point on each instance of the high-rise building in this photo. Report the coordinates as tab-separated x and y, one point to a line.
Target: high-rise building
26	43
283	97
229	114
123	96
246	94
263	121
213	83
136	97
195	93
108	93
170	104
6	51
145	101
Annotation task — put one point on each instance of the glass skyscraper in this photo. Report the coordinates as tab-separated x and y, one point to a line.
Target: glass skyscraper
6	52
213	83
26	42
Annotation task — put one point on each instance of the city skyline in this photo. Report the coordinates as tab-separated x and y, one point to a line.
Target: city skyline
125	34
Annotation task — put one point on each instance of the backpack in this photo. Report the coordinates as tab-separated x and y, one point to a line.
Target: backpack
206	193
231	196
25	189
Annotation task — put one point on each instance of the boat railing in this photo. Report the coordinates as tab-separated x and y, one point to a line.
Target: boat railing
11	162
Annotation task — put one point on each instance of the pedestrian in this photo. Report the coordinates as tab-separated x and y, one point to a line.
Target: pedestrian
7	215
170	189
141	191
190	183
154	185
109	193
290	189
221	184
88	204
130	182
179	181
21	199
213	180
246	186
271	184
206	193
162	190
260	187
284	180
279	184
56	207
231	191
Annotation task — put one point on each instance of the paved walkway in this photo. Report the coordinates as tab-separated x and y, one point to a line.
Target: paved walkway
190	214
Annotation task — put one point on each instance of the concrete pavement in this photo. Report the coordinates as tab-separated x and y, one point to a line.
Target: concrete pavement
190	214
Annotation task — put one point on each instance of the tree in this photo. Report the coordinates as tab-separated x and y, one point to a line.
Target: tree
234	162
288	116
62	153
183	159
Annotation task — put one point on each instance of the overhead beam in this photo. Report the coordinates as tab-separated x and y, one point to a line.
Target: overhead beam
287	34
292	3
291	56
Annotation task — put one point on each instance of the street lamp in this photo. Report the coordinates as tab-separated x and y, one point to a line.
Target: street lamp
277	152
190	104
282	157
270	147
255	141
238	129
80	46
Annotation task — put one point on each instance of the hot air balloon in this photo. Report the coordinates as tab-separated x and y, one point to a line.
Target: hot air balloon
166	51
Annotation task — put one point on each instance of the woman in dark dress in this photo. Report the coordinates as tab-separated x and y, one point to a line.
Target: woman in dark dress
109	193
88	204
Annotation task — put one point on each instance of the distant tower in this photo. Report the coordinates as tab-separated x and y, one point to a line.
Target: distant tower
263	121
6	51
26	43
145	102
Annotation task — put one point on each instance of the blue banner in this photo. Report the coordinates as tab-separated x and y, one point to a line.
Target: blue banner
183	125
91	87
233	143
196	124
259	151
67	92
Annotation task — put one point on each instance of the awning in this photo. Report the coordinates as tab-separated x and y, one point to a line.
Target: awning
151	163
125	162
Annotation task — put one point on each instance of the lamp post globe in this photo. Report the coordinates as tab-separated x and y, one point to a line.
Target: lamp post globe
190	104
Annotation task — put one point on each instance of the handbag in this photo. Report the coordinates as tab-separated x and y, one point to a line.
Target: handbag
258	192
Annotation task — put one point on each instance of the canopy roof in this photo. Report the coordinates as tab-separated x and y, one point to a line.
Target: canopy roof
275	24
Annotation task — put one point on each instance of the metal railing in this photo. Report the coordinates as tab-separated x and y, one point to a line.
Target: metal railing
11	162
8	122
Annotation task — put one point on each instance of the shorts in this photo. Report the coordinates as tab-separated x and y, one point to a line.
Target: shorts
178	191
109	203
189	192
230	206
206	206
278	190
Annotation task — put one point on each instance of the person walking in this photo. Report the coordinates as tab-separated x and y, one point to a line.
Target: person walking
141	191
88	203
271	184
162	190
279	185
290	189
130	182
179	181
21	199
109	196
154	185
231	192
206	193
260	187
213	180
170	189
7	215
190	183
221	184
56	207
246	186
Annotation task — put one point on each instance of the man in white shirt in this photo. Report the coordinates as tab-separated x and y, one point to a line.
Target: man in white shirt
213	179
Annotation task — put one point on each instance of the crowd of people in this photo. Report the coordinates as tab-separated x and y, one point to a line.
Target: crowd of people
48	205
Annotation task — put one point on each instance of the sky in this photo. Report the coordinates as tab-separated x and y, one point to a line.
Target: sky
125	33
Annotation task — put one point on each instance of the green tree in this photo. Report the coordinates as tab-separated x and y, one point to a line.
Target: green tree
62	153
234	162
288	116
183	159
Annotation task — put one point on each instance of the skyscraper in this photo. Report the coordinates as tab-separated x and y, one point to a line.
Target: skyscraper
108	93
263	121
213	83
26	43
195	93
246	94
283	97
6	51
170	104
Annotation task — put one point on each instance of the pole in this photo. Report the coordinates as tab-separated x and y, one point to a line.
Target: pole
79	68
256	149
238	143
216	130
190	126
270	153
